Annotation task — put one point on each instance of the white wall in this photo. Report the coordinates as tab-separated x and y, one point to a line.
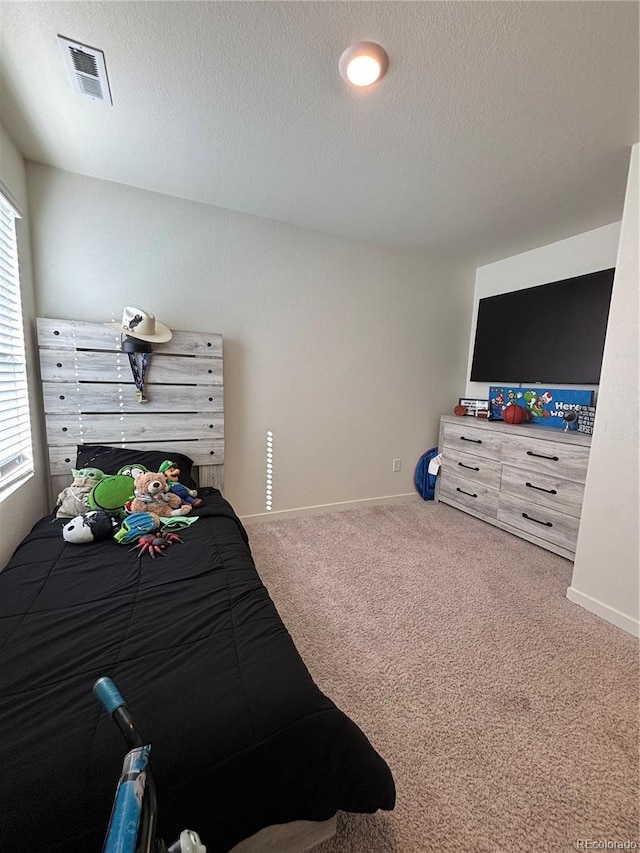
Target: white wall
348	352
584	253
27	503
606	570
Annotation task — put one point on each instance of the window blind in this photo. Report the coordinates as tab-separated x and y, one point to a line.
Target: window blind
16	459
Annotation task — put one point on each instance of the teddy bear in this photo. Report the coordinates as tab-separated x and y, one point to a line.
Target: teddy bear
72	501
152	495
172	473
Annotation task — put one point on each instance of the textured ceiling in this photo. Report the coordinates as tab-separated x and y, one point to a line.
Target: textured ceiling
499	126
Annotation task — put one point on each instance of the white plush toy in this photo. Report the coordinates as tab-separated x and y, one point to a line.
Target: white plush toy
72	500
89	527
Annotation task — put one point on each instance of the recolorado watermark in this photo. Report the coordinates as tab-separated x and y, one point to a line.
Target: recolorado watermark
605	844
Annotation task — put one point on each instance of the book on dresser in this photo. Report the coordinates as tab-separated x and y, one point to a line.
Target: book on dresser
525	479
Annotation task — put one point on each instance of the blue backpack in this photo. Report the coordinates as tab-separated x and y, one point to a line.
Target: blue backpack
425	482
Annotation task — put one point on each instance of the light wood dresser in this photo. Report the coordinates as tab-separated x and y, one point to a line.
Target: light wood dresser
528	480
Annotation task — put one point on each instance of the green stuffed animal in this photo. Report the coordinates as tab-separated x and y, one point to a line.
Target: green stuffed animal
133	470
112	494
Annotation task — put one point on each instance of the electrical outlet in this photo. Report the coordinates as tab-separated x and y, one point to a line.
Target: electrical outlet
396	465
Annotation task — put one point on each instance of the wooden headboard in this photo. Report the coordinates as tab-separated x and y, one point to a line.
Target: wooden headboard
89	397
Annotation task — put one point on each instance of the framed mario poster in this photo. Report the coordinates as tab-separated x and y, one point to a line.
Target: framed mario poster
544	405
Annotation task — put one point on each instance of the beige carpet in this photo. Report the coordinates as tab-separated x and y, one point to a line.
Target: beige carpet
508	715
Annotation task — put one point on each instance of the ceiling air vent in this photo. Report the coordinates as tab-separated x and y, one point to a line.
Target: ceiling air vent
87	70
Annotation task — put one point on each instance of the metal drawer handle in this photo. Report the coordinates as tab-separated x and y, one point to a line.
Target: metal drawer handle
474	440
537	521
465	493
540	489
470	467
542	456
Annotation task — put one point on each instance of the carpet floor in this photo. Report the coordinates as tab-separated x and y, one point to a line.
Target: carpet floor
508	715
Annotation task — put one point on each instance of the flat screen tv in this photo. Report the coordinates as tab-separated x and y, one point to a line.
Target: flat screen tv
552	333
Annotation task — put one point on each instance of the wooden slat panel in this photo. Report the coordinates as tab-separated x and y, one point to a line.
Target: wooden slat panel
192	343
76	334
63	457
211	475
68	398
60	365
80	361
288	837
108	429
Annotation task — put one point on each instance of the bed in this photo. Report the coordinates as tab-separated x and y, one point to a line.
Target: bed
243	742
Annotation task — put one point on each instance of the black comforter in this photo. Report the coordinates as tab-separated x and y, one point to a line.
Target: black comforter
241	736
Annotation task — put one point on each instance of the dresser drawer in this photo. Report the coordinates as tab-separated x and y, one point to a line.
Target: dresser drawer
536	488
478	497
475	468
474	440
559	459
548	524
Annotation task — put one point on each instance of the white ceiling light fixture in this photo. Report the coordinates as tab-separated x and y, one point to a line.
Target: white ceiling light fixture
363	63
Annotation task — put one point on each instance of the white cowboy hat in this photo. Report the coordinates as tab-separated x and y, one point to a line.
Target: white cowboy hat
137	323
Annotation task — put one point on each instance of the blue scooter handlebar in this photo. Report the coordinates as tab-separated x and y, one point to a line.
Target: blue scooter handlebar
111	700
108	695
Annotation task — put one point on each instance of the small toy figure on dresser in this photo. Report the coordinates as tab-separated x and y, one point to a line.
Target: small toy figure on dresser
172	473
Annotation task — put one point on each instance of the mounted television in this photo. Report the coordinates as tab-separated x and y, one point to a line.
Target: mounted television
552	333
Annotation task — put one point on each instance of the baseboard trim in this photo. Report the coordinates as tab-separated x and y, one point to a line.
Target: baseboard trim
323	509
604	611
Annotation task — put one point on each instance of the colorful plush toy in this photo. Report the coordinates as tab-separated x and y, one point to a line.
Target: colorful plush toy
72	501
136	525
89	527
152	495
172	473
